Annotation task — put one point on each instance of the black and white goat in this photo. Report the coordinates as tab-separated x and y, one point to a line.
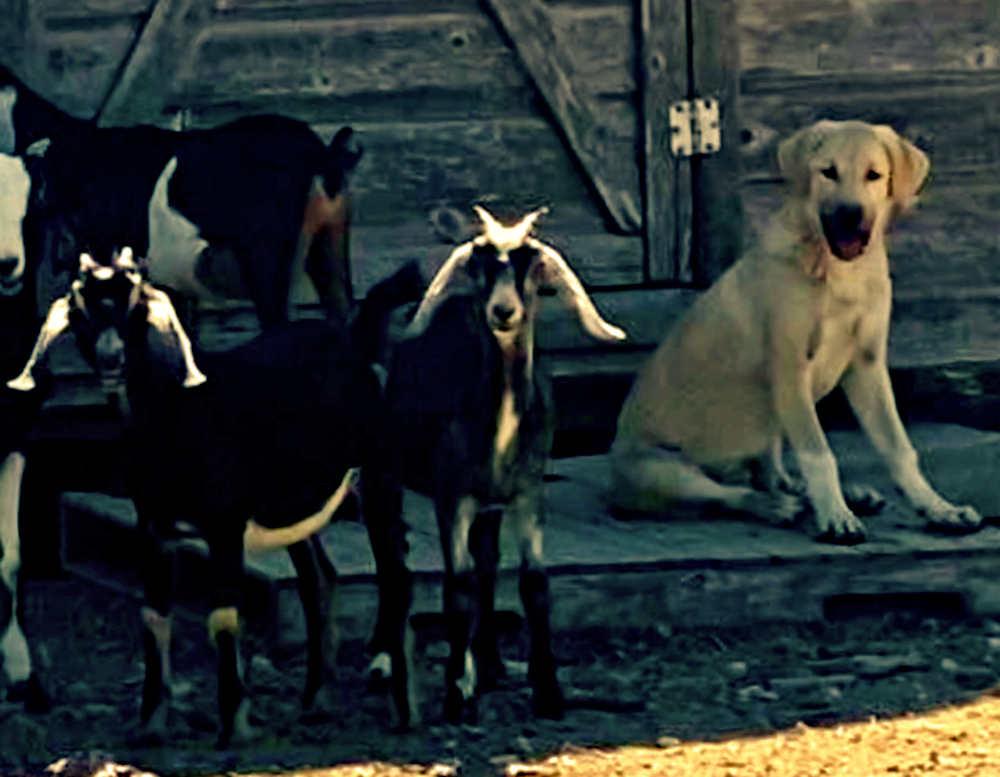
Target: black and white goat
18	324
471	425
263	190
250	458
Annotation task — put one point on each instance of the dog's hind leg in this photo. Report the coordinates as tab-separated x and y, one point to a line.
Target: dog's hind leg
658	480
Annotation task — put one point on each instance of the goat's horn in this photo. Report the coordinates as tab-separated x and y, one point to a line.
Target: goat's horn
489	222
439	289
124	259
523	227
555	272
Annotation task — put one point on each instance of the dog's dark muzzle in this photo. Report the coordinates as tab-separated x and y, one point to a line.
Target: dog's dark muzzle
846	231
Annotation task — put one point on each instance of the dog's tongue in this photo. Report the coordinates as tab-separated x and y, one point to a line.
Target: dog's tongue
849	249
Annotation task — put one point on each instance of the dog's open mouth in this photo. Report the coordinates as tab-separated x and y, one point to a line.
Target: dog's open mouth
846	244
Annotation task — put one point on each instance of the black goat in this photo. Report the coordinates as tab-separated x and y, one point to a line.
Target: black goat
471	425
278	427
263	190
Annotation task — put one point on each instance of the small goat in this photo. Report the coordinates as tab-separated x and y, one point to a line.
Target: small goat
279	425
471	425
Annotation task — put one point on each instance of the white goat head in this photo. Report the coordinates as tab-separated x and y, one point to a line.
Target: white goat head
508	267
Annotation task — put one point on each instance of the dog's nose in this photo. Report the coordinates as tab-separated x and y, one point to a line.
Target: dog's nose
847	219
7	265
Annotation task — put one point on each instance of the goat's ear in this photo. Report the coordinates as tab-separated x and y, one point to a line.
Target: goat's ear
123	260
451	275
87	263
551	270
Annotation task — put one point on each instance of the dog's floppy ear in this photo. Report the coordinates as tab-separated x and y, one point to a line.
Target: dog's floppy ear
794	153
910	165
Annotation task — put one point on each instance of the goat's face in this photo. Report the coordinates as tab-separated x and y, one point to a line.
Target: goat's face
508	269
103	299
501	277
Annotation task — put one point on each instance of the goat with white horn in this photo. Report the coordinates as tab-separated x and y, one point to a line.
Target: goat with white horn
472	427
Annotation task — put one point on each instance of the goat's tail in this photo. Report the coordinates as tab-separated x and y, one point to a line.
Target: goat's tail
371	328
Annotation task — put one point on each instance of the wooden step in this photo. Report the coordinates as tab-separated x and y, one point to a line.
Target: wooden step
631	573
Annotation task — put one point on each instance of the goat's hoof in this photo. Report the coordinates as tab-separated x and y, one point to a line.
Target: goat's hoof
194	380
21	383
380	668
492	671
456	707
32	694
241	732
152	732
549	703
319	706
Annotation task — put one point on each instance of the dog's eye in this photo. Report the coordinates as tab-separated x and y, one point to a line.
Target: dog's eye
830	172
873	175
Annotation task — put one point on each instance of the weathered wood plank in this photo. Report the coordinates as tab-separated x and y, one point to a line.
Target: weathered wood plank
718	208
411	167
954	116
88	15
445	65
531	32
74	69
667	179
139	94
814	35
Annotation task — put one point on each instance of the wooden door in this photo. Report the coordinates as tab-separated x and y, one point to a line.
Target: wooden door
449	79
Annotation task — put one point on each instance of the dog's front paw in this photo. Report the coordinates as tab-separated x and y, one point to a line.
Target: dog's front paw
949	519
778	507
863	500
840	527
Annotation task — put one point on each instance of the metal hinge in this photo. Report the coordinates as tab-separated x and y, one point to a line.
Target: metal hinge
694	126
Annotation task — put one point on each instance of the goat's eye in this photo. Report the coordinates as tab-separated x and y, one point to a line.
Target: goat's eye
830	172
873	175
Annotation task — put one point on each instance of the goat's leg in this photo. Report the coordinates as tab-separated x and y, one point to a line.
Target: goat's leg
392	642
163	317
56	322
226	554
528	520
485	545
316	591
234	705
460	600
157	568
24	683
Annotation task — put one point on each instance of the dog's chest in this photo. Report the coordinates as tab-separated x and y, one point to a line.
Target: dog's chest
833	344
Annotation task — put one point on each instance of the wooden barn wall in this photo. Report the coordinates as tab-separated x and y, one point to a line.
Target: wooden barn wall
447	114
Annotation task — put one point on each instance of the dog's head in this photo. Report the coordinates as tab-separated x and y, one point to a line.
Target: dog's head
848	179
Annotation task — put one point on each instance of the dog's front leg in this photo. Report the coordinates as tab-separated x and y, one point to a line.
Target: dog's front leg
869	391
793	402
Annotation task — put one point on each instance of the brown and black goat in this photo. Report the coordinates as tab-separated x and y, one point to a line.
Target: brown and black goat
471	426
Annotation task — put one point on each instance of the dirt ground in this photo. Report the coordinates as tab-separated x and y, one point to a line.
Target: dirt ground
674	699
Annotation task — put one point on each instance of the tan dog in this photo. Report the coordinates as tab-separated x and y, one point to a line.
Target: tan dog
743	368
